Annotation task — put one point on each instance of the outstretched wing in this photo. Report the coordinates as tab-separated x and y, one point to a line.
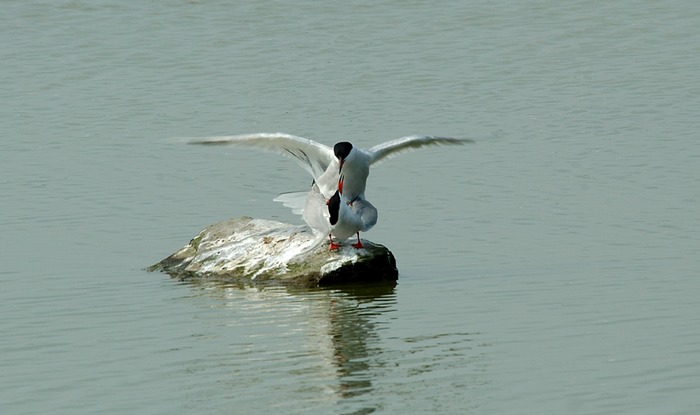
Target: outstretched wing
312	156
403	144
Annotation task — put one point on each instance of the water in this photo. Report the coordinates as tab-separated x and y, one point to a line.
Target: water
550	268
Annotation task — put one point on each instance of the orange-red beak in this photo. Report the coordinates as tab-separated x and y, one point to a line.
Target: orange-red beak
340	185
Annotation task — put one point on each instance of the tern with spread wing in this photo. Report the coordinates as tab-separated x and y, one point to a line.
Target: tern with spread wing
327	165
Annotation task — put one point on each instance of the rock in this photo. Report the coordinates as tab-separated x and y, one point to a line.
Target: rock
263	251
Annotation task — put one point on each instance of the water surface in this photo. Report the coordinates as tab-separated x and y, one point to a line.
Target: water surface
550	268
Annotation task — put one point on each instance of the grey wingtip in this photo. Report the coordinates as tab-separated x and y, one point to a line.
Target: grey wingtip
451	140
205	142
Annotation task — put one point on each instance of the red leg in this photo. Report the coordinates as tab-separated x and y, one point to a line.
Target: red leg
358	245
334	246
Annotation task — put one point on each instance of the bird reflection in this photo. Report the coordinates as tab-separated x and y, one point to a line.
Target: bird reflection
337	327
348	340
353	328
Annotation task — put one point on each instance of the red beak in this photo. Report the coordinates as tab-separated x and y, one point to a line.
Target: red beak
341	161
340	185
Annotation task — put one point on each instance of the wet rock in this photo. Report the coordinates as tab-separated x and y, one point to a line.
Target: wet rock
263	251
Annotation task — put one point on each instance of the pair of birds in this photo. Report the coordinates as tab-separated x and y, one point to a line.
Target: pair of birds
335	206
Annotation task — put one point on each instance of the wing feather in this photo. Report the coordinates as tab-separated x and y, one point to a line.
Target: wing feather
391	148
311	156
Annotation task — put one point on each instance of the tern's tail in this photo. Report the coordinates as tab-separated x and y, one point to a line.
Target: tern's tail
293	200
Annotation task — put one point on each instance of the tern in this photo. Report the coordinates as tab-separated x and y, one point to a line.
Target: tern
335	218
339	173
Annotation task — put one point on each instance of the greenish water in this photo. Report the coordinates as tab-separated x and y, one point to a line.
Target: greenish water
550	268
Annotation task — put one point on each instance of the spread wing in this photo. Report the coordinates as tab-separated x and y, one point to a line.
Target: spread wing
312	156
391	148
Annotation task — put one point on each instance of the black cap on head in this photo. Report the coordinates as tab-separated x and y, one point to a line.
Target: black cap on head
334	207
342	149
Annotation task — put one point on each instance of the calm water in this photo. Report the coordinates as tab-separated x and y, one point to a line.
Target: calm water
550	268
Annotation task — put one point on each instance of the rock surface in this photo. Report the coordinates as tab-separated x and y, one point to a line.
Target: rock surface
264	251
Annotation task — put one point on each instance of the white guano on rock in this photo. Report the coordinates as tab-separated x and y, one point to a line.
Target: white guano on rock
269	252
